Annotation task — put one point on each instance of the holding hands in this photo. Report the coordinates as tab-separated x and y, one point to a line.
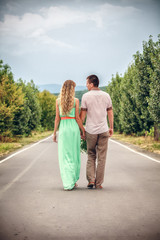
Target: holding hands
83	135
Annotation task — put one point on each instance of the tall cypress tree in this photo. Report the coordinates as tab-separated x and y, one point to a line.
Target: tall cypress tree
154	92
114	89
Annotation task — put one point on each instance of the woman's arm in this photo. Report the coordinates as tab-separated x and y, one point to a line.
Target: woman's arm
78	120
83	115
56	122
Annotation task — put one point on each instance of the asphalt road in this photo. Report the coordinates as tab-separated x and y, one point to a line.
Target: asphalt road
34	206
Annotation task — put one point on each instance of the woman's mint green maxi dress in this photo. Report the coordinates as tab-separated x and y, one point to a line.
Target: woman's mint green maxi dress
69	150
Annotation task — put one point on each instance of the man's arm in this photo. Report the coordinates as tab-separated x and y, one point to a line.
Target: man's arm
110	118
83	114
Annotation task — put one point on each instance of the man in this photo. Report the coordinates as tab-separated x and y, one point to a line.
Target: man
97	105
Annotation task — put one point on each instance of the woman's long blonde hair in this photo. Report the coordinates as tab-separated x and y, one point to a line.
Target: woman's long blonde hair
67	96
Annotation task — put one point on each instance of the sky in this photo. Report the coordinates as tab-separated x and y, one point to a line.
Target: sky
53	40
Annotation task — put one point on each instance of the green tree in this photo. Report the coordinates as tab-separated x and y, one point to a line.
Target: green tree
136	97
31	105
154	92
145	81
129	114
11	101
20	121
48	106
114	90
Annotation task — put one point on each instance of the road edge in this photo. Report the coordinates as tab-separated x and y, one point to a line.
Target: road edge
138	149
22	149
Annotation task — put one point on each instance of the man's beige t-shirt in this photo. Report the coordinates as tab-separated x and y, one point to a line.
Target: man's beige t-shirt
96	103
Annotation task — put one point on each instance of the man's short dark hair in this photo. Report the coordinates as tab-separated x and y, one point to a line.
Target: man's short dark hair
93	79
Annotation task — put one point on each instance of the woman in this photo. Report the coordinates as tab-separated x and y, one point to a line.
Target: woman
67	114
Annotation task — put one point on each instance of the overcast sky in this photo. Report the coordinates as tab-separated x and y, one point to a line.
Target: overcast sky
51	41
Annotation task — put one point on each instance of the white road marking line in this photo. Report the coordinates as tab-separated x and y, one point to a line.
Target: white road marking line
9	185
14	154
144	155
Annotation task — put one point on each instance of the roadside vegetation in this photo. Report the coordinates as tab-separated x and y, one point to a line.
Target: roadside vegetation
26	114
16	143
144	142
136	95
23	108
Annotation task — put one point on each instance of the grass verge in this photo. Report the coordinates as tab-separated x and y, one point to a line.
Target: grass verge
16	143
146	143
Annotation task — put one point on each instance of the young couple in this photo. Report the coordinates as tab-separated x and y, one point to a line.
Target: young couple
96	104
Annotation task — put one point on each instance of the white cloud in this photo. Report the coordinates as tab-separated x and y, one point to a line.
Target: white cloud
37	26
115	14
47	19
42	38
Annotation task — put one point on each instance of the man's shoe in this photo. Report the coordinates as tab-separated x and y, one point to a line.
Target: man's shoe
99	187
90	184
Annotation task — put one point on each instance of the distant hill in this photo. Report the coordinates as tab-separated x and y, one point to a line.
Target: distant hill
55	88
78	94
